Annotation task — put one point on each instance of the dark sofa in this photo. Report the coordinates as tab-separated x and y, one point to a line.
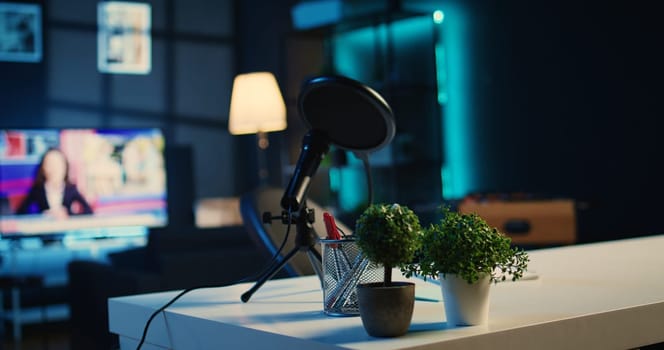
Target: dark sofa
169	261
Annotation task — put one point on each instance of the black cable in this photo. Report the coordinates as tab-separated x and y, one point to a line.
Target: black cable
341	230
154	314
245	279
364	157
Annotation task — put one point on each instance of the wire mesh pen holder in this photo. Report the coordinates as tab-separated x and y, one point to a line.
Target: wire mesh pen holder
344	267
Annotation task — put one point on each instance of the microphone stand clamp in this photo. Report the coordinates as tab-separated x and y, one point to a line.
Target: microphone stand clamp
305	241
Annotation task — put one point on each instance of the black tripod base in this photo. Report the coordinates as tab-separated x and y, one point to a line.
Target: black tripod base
314	256
305	241
269	274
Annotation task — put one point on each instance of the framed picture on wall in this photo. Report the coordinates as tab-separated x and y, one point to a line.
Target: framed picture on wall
20	32
123	40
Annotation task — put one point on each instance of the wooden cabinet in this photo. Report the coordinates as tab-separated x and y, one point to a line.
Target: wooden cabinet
529	222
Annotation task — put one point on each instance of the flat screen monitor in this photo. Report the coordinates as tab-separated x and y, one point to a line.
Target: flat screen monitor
59	181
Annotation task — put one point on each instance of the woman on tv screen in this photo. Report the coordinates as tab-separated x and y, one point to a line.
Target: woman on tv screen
52	193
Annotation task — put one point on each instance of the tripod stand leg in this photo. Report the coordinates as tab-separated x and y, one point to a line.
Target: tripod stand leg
316	263
268	274
313	252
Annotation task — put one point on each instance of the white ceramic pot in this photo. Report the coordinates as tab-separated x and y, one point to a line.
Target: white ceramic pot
465	304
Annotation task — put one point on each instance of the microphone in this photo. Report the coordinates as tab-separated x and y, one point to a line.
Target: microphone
338	111
315	145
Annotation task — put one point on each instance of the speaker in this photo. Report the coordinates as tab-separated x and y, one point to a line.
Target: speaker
180	186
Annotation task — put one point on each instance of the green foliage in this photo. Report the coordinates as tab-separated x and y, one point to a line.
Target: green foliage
388	235
465	245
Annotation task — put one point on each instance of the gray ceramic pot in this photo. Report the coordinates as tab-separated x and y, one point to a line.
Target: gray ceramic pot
386	311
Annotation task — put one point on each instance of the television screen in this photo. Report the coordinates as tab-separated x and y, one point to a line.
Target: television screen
68	180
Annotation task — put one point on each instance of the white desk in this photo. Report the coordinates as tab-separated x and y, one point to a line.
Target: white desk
599	296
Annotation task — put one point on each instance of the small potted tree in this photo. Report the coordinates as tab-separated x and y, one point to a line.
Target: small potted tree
467	255
387	235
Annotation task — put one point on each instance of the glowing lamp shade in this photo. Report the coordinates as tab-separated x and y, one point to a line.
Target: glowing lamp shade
257	106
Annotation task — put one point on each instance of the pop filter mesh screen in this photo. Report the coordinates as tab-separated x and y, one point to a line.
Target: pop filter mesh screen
352	117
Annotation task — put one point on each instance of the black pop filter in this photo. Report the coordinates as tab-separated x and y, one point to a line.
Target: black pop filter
352	115
341	111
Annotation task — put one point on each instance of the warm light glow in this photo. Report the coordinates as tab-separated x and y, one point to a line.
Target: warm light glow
256	104
438	16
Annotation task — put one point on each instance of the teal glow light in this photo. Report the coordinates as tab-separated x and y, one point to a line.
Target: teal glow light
353	52
360	54
351	182
452	71
335	179
441	74
438	16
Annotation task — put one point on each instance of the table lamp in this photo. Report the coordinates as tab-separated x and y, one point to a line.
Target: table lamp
257	107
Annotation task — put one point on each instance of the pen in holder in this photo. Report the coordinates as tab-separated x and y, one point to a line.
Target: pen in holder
344	267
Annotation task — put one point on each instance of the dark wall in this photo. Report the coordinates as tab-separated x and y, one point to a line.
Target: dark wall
565	101
567	98
22	93
22	90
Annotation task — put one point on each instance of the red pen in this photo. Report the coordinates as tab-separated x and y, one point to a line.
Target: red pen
331	226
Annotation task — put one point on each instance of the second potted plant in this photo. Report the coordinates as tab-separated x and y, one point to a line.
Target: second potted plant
387	235
467	255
